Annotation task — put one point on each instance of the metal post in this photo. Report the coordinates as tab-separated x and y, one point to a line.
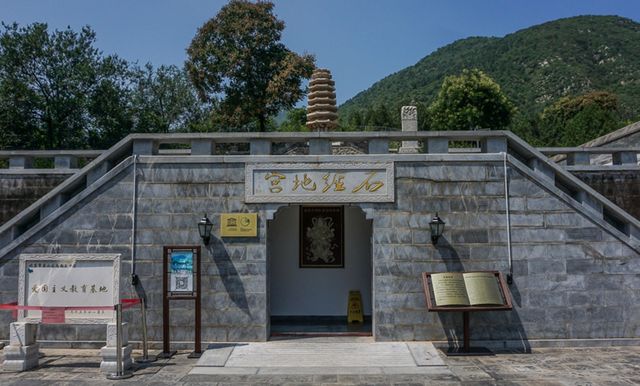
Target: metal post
465	332
119	374
145	349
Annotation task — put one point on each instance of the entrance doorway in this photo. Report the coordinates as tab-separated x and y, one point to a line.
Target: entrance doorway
313	300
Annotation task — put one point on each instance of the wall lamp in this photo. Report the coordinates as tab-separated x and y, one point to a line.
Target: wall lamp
204	228
436	225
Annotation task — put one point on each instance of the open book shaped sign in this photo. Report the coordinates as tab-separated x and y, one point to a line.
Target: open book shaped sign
466	291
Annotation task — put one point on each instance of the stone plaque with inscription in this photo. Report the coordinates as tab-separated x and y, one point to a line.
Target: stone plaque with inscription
319	182
69	280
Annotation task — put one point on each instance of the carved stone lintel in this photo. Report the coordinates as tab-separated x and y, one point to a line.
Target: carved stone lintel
409	112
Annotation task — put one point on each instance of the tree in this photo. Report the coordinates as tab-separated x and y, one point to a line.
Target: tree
164	100
572	121
471	100
236	60
50	84
296	120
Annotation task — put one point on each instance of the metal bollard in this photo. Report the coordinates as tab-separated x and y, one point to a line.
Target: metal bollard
120	373
145	349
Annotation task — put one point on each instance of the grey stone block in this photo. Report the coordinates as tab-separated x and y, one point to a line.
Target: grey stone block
20	162
13	352
494	145
546	204
51	205
22	333
378	146
469	236
112	337
20	358
319	146
542	169
97	172
145	147
578	159
546	299
590	202
564	220
65	162
109	359
203	147
583	266
624	158
588	234
260	147
437	145
392	236
546	266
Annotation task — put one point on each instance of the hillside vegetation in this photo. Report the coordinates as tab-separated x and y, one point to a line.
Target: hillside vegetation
535	67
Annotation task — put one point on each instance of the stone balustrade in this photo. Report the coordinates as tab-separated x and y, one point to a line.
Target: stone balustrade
432	145
583	156
55	159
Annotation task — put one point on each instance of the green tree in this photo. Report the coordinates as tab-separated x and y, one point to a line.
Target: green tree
164	100
296	120
236	60
572	121
49	86
471	100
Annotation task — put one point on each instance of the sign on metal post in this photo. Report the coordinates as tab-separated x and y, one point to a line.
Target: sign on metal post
180	281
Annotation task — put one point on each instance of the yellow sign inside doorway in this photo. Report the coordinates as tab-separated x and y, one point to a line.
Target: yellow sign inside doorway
354	308
239	224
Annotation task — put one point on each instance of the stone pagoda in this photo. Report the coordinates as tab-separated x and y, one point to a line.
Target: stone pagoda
322	113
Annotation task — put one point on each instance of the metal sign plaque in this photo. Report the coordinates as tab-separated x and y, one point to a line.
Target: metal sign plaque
319	182
239	224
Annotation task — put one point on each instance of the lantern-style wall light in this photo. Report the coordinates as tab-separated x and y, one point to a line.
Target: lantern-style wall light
436	225
204	228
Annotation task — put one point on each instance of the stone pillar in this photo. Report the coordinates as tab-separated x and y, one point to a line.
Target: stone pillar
108	352
23	352
409	116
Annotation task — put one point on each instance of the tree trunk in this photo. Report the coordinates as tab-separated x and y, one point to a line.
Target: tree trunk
262	120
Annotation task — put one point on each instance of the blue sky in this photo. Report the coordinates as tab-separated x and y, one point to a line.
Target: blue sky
360	41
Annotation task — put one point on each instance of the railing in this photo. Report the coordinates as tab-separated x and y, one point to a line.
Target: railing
247	147
579	156
52	159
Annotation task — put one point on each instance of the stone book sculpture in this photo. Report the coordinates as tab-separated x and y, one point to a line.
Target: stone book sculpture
466	289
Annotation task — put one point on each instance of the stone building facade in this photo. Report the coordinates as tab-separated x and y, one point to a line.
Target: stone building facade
575	274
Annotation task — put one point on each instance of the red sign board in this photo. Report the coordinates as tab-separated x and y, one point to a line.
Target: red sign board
52	315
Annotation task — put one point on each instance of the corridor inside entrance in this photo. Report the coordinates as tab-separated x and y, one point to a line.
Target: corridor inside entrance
311	297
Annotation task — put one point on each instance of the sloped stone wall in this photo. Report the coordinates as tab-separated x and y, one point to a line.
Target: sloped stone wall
18	191
571	278
171	200
621	187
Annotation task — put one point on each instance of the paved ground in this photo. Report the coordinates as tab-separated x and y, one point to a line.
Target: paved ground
576	366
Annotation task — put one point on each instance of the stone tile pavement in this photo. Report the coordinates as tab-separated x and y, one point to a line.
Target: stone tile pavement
544	366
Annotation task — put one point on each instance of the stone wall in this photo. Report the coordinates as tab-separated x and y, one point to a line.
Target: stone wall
572	279
621	187
172	199
18	191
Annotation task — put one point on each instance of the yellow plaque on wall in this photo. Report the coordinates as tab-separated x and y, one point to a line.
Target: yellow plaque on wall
239	224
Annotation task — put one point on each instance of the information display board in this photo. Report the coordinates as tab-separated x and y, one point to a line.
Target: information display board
466	291
180	281
68	280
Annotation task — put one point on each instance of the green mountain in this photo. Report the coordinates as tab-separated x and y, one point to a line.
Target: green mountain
534	66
